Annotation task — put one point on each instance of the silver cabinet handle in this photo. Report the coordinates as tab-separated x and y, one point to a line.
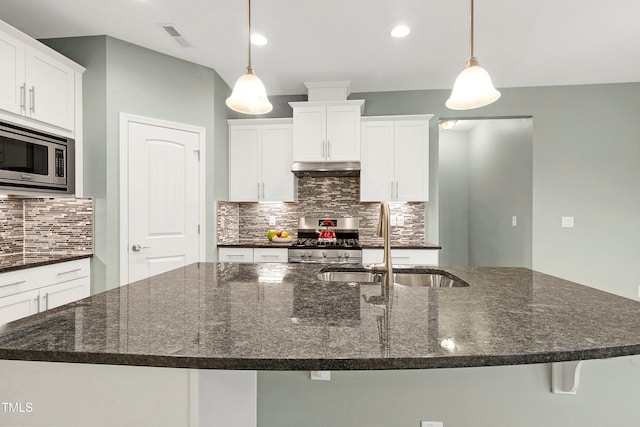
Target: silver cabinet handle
138	248
263	191
23	97
391	190
46	301
15	283
32	93
26	177
396	190
70	271
258	190
328	150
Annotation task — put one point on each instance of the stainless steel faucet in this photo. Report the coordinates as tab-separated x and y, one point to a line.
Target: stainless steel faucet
384	230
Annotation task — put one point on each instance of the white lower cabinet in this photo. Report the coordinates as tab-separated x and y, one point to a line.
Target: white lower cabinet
270	255
253	254
402	256
235	254
33	290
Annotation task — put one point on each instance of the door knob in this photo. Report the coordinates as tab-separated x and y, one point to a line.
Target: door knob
138	248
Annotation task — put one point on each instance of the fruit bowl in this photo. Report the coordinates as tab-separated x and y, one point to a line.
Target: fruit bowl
276	239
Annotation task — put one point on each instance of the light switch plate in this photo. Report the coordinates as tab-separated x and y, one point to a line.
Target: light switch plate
567	222
431	424
400	220
394	220
514	221
272	220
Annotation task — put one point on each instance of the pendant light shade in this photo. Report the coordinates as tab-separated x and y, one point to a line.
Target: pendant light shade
473	88
249	95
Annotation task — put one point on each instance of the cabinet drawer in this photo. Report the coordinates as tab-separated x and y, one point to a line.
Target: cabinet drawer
403	256
235	254
61	272
15	282
270	255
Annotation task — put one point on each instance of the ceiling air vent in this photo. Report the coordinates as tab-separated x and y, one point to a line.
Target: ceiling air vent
175	35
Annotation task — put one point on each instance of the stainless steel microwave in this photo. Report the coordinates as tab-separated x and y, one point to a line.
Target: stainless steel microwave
34	161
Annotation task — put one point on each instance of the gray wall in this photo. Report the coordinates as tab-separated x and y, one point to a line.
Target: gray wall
586	146
122	77
500	187
454	197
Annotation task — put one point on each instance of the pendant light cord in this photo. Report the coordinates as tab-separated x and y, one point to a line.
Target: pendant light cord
250	67
471	26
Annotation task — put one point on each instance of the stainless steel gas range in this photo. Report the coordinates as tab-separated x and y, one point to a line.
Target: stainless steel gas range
327	240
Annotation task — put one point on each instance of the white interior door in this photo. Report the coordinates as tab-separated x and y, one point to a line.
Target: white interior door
163	198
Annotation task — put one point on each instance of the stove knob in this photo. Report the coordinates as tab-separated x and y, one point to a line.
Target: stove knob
324	254
309	254
346	255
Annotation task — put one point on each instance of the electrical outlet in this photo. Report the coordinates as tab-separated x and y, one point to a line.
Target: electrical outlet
567	222
272	220
514	221
431	424
400	220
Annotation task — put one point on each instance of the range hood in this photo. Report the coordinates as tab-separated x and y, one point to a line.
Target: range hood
319	169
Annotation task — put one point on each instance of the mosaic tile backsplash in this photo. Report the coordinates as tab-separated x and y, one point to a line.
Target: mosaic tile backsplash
325	196
63	226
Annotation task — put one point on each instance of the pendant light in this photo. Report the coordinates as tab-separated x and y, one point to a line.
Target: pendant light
473	87
249	95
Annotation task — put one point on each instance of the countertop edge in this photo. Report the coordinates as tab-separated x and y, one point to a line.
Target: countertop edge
57	260
319	364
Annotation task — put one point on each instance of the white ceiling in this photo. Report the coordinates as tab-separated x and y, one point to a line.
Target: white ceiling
520	43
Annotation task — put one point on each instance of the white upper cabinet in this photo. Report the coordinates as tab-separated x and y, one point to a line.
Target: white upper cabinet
39	88
50	89
12	53
260	160
326	131
395	159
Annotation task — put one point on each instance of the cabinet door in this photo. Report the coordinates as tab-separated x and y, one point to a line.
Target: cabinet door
50	90
63	293
411	161
343	133
309	134
14	307
277	179
244	163
11	74
376	174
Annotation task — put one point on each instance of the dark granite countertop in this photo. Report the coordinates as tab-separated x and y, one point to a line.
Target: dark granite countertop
12	262
263	243
426	245
267	244
280	317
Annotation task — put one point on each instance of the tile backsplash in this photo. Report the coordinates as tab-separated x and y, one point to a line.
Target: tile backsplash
325	196
46	226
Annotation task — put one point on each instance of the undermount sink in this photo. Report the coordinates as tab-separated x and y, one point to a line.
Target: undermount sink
427	279
349	276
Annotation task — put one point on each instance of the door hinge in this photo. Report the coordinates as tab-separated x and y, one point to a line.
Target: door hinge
197	152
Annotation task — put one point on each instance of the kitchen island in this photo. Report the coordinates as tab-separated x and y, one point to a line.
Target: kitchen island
281	317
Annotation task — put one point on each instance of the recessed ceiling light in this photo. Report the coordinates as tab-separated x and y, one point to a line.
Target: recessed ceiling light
400	31
259	40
